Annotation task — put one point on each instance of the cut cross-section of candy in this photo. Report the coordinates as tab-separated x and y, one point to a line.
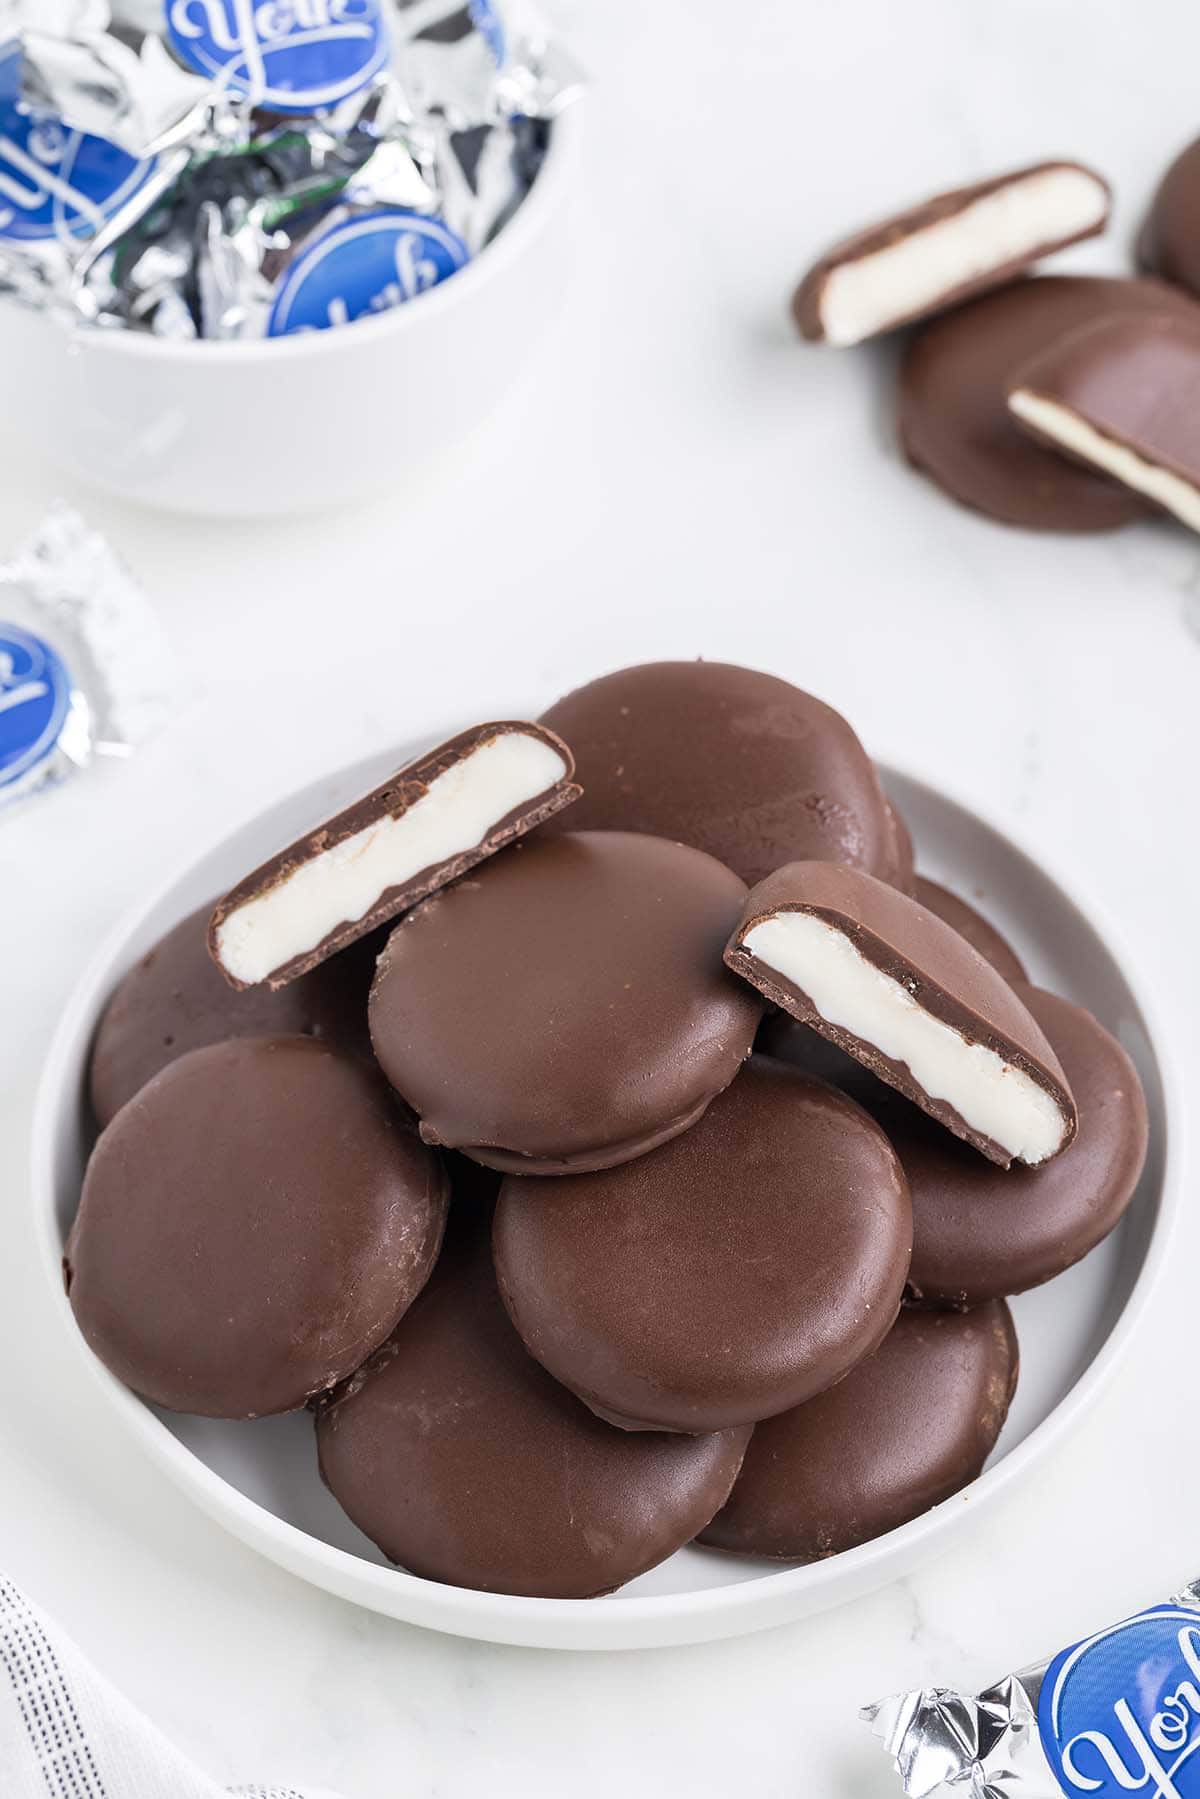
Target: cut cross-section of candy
426	826
919	261
896	987
1123	395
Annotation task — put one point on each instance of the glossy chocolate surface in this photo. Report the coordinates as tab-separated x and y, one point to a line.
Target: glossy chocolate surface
253	1224
465	1462
953	415
970	923
725	1277
566	1006
175	999
919	951
911	1426
729	760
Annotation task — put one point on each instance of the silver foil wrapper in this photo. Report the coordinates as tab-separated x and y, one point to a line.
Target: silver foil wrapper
85	670
233	173
474	62
1114	1714
127	89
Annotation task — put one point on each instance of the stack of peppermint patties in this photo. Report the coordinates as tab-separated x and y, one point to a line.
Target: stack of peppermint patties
1060	403
610	1137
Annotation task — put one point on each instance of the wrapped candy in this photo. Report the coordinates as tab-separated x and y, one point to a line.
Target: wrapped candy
84	668
237	168
1116	1713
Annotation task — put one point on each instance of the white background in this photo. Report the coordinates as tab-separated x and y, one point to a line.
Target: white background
677	476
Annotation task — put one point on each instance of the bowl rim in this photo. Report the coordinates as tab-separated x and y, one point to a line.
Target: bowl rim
546	193
642	1621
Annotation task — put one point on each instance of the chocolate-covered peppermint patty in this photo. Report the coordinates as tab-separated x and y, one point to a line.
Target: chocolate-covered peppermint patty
174	999
979	1231
896	987
425	826
953	412
253	1223
909	1427
1122	395
727	1276
465	1462
566	1007
729	760
946	249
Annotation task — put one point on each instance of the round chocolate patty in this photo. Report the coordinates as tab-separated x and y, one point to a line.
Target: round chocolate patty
176	999
732	1274
566	1006
910	1426
1169	244
728	760
973	926
253	1223
980	1231
953	417
466	1463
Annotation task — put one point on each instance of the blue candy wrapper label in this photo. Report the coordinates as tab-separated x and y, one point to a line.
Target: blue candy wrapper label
366	265
55	182
291	55
35	699
1120	1713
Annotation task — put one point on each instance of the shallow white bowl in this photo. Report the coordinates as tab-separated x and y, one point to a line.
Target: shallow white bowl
260	1480
294	423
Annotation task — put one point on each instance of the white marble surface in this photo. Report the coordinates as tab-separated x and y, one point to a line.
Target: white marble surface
677	476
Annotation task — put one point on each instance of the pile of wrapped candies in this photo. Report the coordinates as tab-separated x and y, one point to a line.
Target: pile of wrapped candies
253	168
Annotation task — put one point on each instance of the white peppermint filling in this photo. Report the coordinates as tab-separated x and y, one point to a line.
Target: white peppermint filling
341	884
994	1098
871	293
1075	434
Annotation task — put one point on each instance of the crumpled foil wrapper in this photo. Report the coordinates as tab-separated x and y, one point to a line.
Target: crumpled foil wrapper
157	175
85	669
1117	1713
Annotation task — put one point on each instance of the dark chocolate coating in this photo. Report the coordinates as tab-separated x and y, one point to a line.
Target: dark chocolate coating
175	999
253	1224
726	759
979	1232
972	925
911	1426
397	795
1169	242
726	1277
565	1007
1135	379
953	415
806	306
465	1462
940	969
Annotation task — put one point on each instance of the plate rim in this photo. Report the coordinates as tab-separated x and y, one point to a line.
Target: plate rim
644	1621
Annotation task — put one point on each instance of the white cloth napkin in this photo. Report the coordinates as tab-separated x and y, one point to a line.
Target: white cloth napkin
65	1733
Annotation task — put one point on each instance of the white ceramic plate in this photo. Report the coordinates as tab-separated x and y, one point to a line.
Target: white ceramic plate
260	1480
